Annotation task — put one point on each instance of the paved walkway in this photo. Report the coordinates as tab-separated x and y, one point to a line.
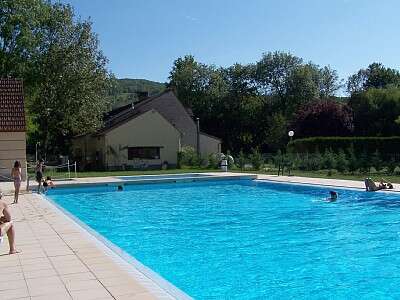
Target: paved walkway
323	181
59	261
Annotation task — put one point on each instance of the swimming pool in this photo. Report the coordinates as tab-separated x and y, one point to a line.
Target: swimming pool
243	239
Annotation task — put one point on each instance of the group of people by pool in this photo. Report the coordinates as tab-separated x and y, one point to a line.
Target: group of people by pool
370	186
43	184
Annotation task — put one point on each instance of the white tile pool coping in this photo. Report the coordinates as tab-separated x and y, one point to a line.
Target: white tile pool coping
63	259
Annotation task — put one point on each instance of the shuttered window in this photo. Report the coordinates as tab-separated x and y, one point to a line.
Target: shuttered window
143	152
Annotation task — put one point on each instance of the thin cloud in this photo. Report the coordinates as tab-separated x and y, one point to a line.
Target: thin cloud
191	19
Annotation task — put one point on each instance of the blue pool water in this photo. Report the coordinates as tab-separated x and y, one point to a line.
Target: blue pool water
249	240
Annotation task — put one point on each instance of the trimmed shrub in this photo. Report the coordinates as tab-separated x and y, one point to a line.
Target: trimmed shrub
188	157
391	166
213	161
376	161
241	160
368	145
256	159
396	171
277	159
342	163
353	162
329	160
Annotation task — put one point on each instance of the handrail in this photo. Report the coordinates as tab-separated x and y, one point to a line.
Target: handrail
67	166
6	177
57	166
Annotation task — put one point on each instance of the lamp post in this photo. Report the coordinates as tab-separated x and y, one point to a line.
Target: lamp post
290	134
198	136
36	152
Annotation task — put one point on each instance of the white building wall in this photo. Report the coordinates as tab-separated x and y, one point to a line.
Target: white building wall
12	148
147	130
209	145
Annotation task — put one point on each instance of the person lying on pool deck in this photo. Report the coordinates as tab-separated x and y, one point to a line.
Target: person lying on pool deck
371	186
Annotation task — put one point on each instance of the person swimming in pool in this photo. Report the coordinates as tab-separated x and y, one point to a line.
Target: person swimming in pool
333	196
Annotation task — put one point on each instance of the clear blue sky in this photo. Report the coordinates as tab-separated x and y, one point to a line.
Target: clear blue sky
142	38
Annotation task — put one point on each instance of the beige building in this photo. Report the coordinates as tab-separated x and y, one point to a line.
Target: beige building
12	127
147	135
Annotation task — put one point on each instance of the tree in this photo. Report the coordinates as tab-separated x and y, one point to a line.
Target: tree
302	87
249	106
375	76
276	137
328	81
21	28
376	112
63	69
225	100
274	76
274	70
189	79
323	118
291	83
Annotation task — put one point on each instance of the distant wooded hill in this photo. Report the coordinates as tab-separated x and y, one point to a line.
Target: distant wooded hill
126	91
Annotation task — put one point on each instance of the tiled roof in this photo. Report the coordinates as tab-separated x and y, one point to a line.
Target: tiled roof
12	113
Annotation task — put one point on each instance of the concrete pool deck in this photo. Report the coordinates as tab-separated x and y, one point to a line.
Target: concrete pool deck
61	260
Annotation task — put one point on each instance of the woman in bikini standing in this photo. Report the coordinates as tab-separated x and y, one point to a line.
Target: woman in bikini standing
16	175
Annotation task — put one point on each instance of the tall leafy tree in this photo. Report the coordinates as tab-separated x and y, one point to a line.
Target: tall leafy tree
249	106
328	82
302	87
376	112
274	71
323	118
21	32
63	69
291	83
375	76
190	79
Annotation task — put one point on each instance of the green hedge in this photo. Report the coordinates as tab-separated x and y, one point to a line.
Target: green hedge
360	145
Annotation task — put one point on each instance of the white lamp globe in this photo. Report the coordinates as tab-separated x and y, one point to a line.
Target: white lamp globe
291	133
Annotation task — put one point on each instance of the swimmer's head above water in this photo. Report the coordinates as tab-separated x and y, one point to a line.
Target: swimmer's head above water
333	196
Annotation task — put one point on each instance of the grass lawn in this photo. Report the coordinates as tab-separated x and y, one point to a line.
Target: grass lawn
324	174
150	172
313	174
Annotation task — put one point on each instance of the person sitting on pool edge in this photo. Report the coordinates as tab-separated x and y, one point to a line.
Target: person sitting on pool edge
48	183
386	183
370	185
7	226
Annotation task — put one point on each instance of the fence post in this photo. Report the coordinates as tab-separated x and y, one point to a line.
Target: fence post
27	175
69	172
76	175
26	171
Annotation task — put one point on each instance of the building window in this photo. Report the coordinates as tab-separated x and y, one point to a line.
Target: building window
143	152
